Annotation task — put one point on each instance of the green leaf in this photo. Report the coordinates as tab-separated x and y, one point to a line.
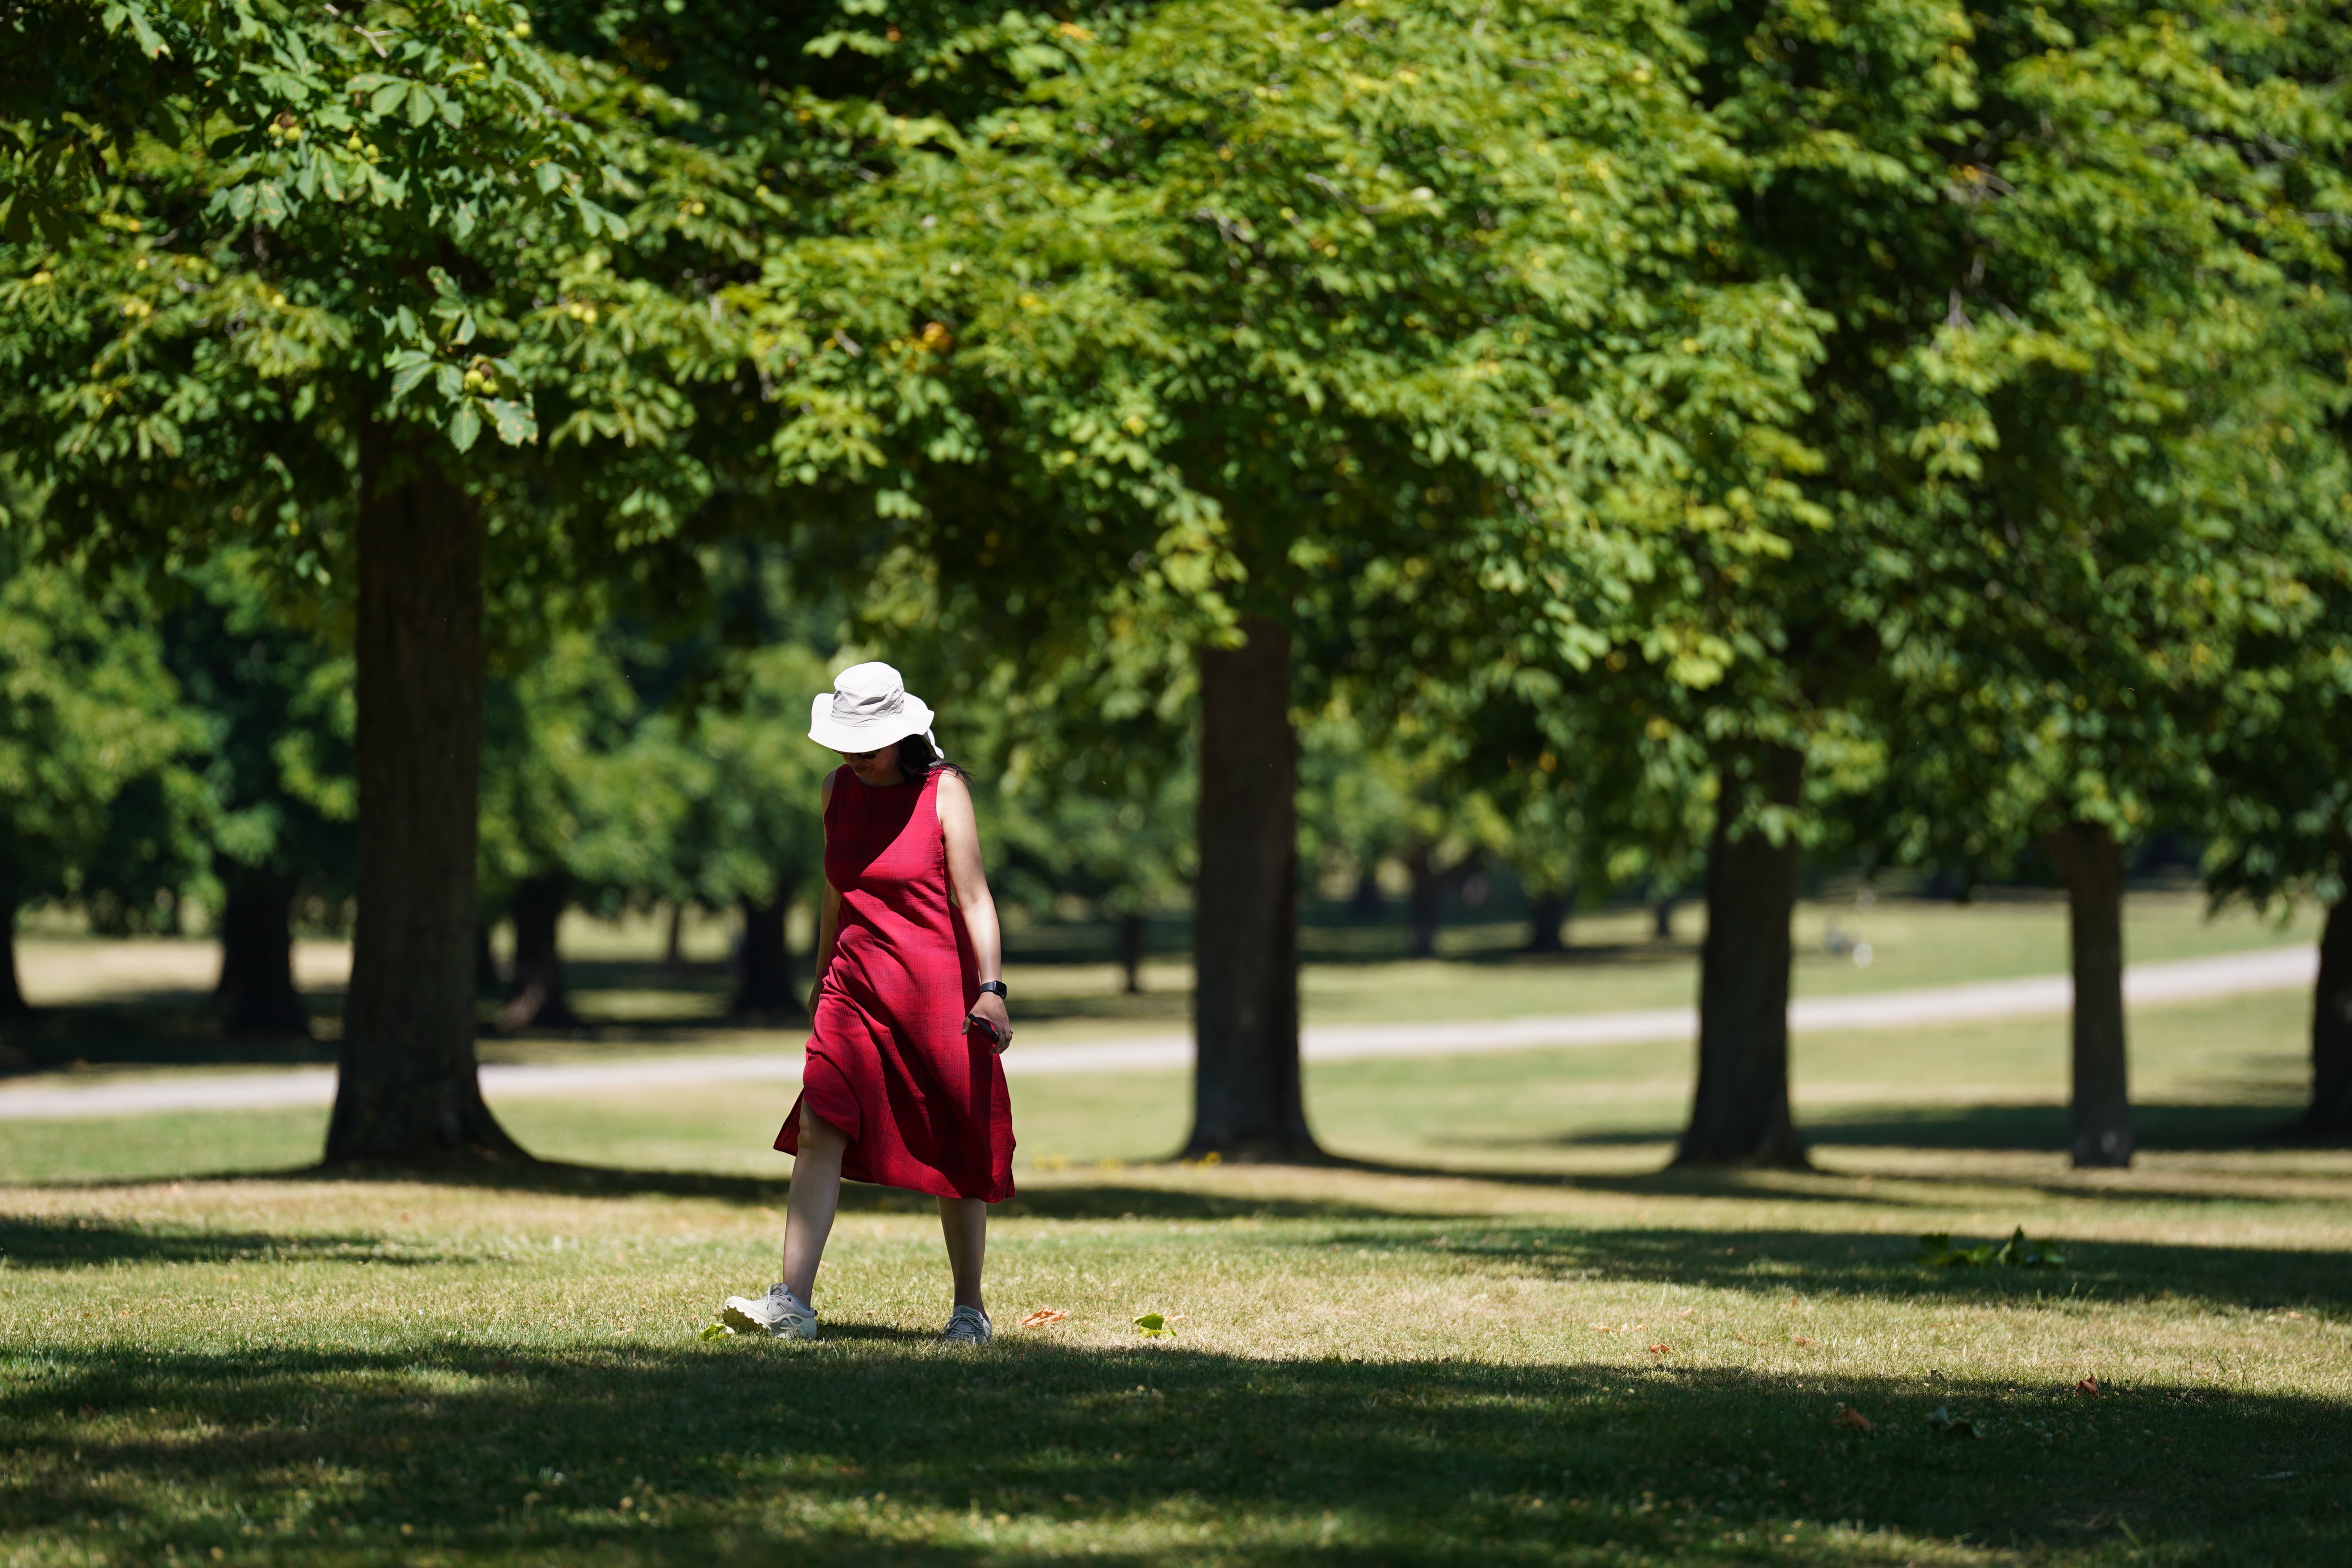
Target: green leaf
1152	1326
714	1332
465	427
387	98
596	219
516	422
420	104
409	367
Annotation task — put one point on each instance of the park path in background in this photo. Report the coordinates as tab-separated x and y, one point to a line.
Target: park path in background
2145	985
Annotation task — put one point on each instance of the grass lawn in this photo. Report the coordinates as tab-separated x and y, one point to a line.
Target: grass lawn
142	1005
1496	1335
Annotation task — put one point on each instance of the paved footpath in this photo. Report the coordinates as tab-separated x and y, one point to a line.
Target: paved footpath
2145	984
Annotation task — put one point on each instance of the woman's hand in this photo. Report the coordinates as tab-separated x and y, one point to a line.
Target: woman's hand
989	1010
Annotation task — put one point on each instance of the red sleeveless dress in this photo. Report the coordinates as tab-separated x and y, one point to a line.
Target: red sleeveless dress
891	1063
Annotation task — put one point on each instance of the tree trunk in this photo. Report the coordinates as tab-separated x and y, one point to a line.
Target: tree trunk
1246	1098
1547	912
764	988
2098	1120
1366	902
256	991
14	1008
2330	1116
674	945
1739	1115
408	1091
1428	889
1661	920
1131	952
535	994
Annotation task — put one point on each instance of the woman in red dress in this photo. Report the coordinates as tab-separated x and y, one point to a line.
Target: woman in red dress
902	1084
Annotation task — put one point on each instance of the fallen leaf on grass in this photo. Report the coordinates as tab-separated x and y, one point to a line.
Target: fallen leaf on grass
1604	1328
1856	1420
1661	1350
1801	1339
714	1331
2089	1386
1040	1317
1152	1326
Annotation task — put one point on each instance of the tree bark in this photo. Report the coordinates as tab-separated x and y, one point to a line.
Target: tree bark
1428	892
535	995
1739	1115
2098	1117
256	991
1366	902
408	1091
1661	920
2330	1116
764	988
1247	1101
674	945
1547	912
1131	952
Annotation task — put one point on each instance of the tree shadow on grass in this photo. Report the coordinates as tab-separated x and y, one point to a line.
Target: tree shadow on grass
81	1242
1090	1200
2159	1127
1851	1263
867	1450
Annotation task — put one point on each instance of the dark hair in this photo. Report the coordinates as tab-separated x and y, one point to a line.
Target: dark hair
917	759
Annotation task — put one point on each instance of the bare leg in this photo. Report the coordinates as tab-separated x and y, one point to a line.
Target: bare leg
815	1194
964	1223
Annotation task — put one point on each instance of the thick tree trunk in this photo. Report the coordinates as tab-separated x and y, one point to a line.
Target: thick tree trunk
1246	1098
1428	892
1366	902
535	995
764	988
408	1091
1739	1115
1131	952
2330	1115
674	945
1547	912
256	991
1661	920
2098	1120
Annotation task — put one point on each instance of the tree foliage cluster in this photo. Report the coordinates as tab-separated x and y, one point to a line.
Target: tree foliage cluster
1662	440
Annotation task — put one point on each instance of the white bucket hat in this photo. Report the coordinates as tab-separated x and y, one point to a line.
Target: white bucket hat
868	708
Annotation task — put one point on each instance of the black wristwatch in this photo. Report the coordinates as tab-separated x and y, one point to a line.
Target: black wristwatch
995	987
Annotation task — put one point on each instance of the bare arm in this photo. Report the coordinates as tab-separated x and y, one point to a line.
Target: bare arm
828	917
968	884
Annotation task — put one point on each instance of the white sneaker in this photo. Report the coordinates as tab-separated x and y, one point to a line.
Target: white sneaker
779	1312
968	1326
